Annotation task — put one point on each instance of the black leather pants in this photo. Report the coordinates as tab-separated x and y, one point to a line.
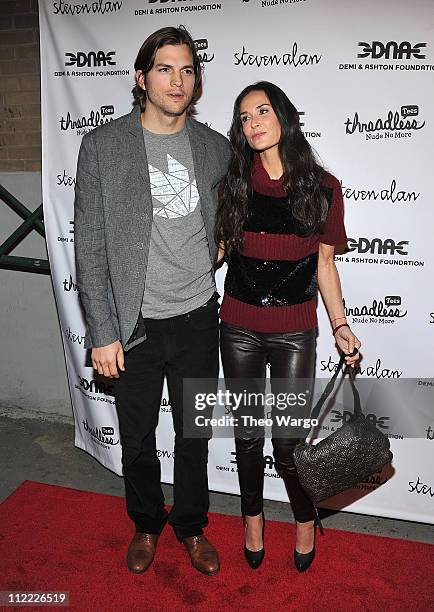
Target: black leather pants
245	355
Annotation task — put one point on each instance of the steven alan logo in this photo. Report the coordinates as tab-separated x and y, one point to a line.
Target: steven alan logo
99	7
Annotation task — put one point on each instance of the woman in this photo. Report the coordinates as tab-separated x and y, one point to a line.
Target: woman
279	219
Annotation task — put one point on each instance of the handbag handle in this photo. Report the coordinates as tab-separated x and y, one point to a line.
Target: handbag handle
330	386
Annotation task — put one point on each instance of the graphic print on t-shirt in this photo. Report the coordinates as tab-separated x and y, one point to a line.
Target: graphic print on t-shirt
173	190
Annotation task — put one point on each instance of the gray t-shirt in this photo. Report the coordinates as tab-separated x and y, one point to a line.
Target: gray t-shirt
178	277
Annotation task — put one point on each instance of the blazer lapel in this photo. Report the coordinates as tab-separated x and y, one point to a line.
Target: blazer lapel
198	152
138	158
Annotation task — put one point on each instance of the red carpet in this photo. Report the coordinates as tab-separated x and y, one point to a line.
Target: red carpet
53	538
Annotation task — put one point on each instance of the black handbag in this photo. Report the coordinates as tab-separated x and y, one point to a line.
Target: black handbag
347	456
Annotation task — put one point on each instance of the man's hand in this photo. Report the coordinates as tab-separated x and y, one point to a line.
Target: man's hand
107	359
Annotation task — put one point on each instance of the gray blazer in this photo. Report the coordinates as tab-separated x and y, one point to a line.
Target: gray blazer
113	220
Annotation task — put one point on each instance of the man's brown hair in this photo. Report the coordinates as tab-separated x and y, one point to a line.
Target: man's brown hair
146	57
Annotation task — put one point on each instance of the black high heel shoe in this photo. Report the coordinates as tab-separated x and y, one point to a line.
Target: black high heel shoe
255	558
303	561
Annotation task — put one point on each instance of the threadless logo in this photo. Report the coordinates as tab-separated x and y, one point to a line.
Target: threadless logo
396	124
165	406
372	482
104	436
275	3
385	310
69	285
85	124
165	454
204	54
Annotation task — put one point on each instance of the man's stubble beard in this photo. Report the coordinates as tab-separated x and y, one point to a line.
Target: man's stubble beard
166	111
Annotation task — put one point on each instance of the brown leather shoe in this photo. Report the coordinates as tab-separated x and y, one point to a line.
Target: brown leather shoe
203	555
141	552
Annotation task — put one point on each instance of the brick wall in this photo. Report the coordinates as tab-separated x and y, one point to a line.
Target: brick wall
20	108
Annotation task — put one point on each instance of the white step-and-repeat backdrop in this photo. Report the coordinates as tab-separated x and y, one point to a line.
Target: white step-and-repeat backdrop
361	77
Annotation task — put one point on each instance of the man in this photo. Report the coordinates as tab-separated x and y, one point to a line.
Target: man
146	194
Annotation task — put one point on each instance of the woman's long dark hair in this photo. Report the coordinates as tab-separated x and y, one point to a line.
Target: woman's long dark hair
301	172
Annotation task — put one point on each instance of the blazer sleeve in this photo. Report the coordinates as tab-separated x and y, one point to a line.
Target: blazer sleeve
225	156
90	251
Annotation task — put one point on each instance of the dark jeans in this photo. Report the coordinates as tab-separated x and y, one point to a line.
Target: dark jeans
179	347
291	355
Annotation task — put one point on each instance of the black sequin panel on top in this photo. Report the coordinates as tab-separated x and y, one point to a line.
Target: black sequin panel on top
274	216
270	218
272	282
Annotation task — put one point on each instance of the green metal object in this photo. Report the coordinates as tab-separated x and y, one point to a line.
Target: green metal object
32	221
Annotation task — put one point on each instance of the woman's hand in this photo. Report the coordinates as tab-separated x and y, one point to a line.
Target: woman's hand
330	287
221	252
347	342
